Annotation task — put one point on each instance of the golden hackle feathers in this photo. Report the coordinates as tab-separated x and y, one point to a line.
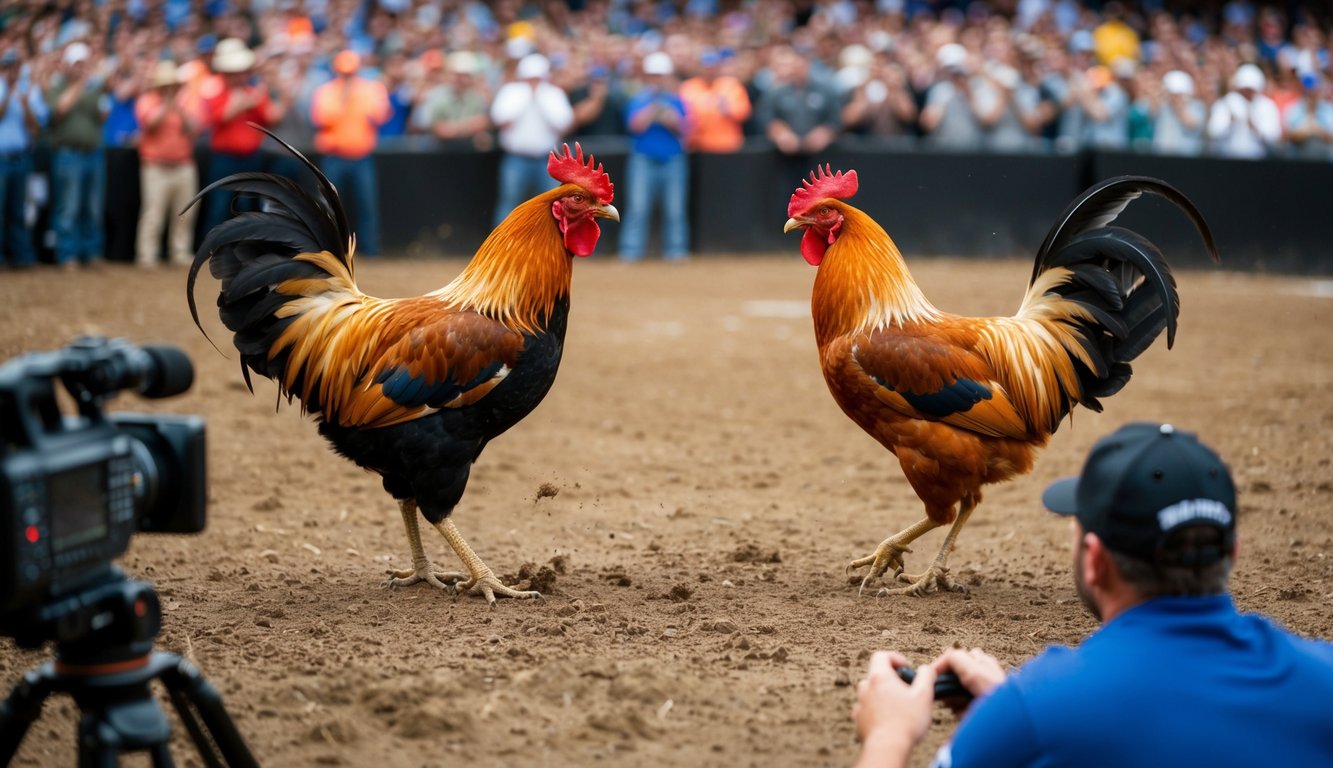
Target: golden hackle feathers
521	270
864	284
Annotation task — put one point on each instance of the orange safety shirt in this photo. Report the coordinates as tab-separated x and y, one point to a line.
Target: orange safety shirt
347	113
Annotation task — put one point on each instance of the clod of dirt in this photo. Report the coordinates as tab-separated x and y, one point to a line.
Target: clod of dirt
560	563
267	505
618	579
722	626
546	491
541	578
680	593
751	553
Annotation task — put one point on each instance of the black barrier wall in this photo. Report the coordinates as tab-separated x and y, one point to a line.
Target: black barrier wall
1272	215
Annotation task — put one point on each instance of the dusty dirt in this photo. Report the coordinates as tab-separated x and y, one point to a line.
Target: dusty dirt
687	497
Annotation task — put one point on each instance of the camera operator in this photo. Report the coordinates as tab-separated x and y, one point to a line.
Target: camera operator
1176	675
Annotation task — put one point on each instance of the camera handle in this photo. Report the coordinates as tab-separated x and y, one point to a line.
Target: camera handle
118	712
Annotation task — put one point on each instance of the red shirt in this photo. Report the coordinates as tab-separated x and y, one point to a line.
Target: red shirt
234	137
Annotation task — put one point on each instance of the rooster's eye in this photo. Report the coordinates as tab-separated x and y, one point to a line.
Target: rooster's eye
577	199
825	211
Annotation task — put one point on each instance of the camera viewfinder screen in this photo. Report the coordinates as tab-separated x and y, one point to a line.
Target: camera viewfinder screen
77	500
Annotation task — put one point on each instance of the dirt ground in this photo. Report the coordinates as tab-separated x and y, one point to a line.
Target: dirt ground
686	497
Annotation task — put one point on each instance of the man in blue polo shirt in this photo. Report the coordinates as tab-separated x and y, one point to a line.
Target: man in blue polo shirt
658	168
1176	676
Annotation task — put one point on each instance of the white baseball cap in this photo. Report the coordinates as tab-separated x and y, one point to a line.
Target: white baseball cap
534	66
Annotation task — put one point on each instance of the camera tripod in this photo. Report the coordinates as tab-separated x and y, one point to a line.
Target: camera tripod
108	676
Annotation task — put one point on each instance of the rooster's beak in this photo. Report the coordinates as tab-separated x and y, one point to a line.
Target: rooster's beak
792	224
607	211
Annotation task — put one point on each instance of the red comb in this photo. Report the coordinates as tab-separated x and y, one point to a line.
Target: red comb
826	184
571	169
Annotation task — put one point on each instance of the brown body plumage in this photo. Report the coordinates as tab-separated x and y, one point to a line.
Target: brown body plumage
964	402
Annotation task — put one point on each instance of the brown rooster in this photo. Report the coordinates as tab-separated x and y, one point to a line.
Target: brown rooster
964	402
410	388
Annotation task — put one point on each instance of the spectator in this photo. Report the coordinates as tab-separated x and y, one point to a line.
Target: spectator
347	112
718	107
881	104
1310	121
1175	676
403	95
960	109
531	115
1245	123
78	99
1012	130
454	106
291	83
801	116
1101	106
657	164
1114	38
1178	118
168	178
234	100
22	114
598	110
121	129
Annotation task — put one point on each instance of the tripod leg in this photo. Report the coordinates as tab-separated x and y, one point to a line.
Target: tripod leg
21	709
188	688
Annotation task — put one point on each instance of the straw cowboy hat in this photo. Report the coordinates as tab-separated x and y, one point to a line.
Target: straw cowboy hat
164	75
232	55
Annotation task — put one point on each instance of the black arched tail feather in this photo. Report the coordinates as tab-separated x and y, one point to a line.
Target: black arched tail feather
251	252
1120	279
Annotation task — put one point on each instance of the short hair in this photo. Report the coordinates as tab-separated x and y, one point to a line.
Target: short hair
1155	580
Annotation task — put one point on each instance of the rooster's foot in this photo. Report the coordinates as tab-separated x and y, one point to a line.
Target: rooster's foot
427	572
935	579
889	554
488	586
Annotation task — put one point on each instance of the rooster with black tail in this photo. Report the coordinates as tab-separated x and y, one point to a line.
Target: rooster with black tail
965	402
410	388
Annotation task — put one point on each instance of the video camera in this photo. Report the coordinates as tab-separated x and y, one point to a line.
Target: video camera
75	488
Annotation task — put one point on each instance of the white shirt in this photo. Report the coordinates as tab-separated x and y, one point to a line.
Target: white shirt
1240	128
531	120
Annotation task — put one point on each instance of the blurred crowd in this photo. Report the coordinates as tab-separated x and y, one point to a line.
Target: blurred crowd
1236	79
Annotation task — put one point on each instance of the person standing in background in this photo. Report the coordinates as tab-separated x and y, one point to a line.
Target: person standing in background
531	115
168	178
23	112
718	107
1309	123
1245	123
78	108
657	164
347	113
1179	117
232	102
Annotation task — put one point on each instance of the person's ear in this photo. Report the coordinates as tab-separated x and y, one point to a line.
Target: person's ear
1097	564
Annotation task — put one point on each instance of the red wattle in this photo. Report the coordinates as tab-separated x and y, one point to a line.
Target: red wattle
813	246
581	237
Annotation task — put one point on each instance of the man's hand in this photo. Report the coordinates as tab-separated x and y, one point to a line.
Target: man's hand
891	716
978	671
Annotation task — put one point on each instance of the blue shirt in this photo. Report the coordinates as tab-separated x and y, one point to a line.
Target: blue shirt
1175	681
14	136
658	141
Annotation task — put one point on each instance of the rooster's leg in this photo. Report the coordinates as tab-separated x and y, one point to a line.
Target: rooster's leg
482	581
889	554
936	577
422	569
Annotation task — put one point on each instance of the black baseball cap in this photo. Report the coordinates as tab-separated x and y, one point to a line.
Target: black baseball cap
1145	481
